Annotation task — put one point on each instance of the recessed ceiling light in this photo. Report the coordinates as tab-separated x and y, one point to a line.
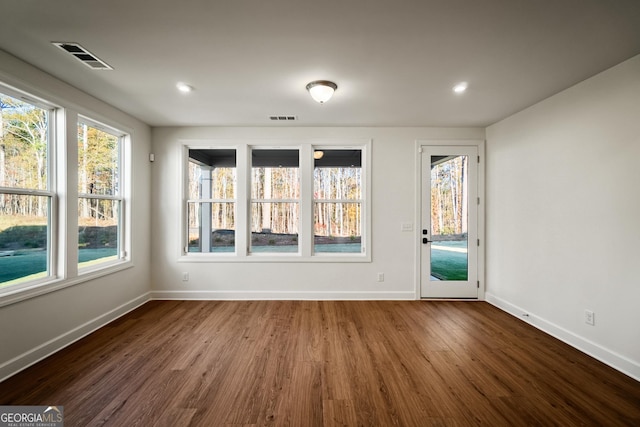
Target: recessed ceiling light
460	87
184	88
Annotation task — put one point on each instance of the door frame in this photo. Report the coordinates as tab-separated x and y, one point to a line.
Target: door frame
480	144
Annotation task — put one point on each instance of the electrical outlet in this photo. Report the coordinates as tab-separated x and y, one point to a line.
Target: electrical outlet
380	277
185	276
589	317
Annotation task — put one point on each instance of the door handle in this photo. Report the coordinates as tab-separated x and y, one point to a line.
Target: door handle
425	240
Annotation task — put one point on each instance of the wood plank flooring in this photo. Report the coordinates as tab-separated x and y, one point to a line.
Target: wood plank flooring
325	363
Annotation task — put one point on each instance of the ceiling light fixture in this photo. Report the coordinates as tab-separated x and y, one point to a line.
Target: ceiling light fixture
321	90
460	87
318	154
184	88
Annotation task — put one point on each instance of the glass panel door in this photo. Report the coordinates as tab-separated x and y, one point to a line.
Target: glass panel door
449	222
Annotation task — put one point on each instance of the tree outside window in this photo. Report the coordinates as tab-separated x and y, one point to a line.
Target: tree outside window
25	196
270	203
99	196
338	201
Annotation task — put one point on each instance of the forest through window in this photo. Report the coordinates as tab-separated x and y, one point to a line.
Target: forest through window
38	188
275	199
25	196
99	195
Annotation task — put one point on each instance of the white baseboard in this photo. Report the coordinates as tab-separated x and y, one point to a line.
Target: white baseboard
616	361
23	361
280	295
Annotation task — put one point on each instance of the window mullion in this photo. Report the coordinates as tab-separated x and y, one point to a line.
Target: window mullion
52	187
306	200
243	193
68	187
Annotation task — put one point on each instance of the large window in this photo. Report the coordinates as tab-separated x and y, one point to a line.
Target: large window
287	202
26	195
100	200
275	200
211	204
58	219
337	210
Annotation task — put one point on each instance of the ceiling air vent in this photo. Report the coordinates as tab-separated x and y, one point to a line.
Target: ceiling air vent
83	55
283	118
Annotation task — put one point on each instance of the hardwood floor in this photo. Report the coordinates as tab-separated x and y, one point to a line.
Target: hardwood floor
325	363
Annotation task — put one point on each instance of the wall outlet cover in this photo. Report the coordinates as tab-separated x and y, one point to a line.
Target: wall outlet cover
589	317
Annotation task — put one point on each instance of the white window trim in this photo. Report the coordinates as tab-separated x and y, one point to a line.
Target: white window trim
299	201
305	238
51	192
123	152
62	164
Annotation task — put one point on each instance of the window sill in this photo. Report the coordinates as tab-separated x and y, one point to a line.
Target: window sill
12	296
276	258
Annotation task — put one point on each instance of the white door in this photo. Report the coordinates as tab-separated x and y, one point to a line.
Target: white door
449	229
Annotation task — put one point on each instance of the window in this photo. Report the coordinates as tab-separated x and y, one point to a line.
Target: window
100	200
337	192
285	202
59	220
26	196
211	204
275	200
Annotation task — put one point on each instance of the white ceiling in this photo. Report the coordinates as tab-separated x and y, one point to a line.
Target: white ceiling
395	61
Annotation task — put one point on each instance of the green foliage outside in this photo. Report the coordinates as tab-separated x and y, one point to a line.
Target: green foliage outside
23	237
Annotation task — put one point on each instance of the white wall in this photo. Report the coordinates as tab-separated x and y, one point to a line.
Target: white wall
394	183
33	328
563	215
562	223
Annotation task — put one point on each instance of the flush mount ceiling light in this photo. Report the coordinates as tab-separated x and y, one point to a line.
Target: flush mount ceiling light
321	90
184	88
460	87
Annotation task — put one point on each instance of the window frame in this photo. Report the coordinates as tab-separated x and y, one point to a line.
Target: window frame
210	200
50	192
253	200
305	251
364	209
62	190
119	196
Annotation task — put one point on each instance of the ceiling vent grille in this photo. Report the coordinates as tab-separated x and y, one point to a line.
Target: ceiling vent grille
283	118
83	55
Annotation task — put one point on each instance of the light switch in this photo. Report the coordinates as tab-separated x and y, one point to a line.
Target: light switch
406	226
